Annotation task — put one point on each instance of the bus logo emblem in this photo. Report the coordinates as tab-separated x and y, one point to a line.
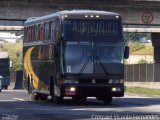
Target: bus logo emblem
93	81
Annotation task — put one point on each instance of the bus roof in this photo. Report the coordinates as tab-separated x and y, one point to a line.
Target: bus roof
69	12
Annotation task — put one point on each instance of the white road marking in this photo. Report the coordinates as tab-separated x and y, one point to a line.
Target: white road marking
14	90
18	99
7	100
79	109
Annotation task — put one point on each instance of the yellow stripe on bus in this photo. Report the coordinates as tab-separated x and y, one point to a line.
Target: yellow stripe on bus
29	69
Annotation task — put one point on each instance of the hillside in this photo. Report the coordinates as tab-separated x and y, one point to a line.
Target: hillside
141	48
15	53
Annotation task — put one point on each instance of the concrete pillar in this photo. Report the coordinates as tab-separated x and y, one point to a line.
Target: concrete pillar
156	44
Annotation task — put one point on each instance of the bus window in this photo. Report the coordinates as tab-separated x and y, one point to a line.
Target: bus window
46	31
26	35
32	33
41	31
52	29
36	32
49	31
29	33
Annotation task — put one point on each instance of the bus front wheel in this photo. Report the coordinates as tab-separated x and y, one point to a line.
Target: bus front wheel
5	87
58	100
34	96
107	100
79	99
52	88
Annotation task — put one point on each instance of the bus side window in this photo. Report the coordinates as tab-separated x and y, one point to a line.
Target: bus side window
29	34
41	32
57	29
52	29
26	35
32	33
36	32
49	30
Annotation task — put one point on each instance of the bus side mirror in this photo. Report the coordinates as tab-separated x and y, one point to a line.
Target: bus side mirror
126	52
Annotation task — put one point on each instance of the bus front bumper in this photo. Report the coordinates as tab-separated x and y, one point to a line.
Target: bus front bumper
89	90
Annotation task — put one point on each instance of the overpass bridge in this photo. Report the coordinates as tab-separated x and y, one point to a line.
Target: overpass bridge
138	15
135	13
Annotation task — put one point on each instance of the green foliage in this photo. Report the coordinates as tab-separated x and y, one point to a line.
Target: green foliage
142	61
148	50
133	36
17	66
135	46
15	53
125	62
143	91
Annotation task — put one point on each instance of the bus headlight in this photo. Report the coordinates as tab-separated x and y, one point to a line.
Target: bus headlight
72	89
116	89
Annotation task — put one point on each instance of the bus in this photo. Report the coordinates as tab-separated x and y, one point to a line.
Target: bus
76	53
4	70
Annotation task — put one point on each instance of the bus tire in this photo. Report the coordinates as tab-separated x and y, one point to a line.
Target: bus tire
28	84
58	100
79	99
5	87
34	96
107	100
52	88
42	96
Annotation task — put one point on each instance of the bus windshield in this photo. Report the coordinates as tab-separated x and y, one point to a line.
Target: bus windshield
80	57
83	29
77	55
109	52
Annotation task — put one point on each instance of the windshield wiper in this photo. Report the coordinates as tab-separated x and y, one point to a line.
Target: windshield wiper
84	66
103	68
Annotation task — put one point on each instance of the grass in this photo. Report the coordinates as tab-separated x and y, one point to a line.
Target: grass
143	91
15	52
147	50
137	48
12	48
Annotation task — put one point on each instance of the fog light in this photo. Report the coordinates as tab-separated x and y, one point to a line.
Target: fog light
72	89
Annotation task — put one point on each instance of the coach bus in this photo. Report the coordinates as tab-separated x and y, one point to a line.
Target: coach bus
77	53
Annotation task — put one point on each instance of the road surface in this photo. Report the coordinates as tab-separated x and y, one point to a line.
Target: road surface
16	105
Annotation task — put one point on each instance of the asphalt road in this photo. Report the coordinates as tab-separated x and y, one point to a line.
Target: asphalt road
16	105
